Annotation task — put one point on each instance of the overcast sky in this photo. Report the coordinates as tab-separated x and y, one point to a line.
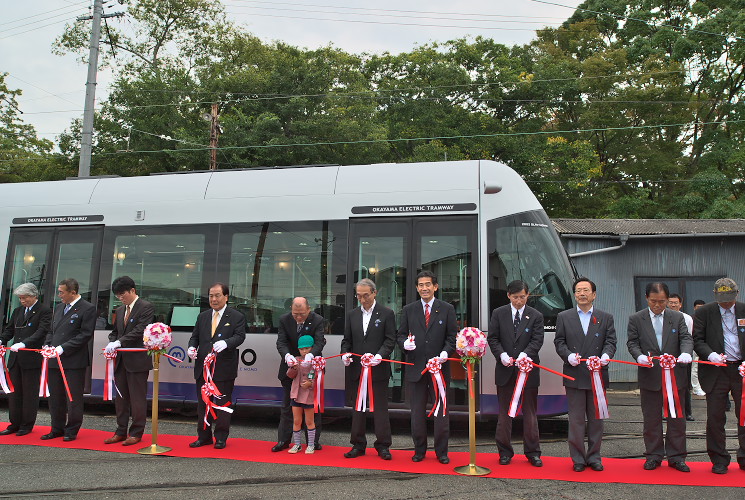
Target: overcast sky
54	87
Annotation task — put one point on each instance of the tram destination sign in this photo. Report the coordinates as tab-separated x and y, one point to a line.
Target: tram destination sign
58	219
428	207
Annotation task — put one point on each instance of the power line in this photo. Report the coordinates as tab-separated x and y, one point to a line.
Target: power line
77	6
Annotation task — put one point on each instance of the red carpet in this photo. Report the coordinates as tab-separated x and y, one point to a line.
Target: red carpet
555	468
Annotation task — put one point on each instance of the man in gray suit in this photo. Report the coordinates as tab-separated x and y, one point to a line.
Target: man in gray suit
581	333
653	331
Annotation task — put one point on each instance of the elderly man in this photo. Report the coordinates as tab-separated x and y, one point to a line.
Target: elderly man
719	336
298	322
28	327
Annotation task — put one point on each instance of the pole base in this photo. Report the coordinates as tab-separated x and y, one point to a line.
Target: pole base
472	470
153	449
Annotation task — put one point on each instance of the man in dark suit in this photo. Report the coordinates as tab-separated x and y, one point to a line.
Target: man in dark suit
428	329
719	336
29	325
657	330
131	369
516	332
72	330
298	322
581	333
370	328
221	329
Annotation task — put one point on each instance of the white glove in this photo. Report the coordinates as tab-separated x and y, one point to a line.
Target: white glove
219	346
307	360
59	350
16	346
377	359
192	353
409	344
346	358
506	359
604	360
443	356
520	356
1	342
112	346
642	359
573	359
290	359
436	359
715	357
685	358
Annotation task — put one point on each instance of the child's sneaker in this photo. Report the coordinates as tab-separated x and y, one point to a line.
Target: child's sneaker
310	449
295	448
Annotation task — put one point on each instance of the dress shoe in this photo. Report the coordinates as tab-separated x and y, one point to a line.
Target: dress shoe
535	461
505	460
317	447
282	445
131	440
354	453
651	464
114	439
719	469
23	432
690	418
384	453
8	431
219	445
681	466
417	457
444	459
51	435
597	466
578	467
742	466
198	443
69	438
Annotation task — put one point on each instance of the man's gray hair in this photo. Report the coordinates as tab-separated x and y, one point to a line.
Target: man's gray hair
366	282
27	289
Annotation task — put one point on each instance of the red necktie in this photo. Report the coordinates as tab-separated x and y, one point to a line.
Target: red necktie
426	315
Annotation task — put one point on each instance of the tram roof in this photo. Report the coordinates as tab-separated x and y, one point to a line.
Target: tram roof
566	227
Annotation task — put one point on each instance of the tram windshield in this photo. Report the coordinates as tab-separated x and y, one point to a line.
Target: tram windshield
525	246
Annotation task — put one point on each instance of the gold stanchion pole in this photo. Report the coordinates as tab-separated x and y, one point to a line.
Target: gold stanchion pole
472	469
154	449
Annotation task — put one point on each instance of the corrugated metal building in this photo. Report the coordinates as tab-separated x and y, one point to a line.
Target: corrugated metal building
622	255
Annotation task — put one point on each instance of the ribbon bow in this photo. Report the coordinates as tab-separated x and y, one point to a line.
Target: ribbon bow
524	366
598	389
47	353
365	389
434	367
741	371
109	384
319	365
210	390
5	382
671	401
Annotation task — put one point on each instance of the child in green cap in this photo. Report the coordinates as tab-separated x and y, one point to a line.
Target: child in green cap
302	396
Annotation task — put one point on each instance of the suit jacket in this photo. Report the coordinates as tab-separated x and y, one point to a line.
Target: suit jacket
287	336
708	337
30	329
676	339
380	339
130	335
231	329
73	331
502	338
431	341
570	338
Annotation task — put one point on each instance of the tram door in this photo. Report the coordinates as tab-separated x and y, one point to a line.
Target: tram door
391	252
46	256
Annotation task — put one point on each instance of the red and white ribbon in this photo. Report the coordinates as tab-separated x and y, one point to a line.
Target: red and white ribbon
47	353
210	390
524	366
598	388
5	382
108	381
365	388
671	401
434	367
741	369
319	365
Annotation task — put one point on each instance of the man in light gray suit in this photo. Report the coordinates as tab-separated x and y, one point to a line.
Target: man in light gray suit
653	331
581	333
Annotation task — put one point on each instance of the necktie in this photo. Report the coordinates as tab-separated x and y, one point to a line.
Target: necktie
67	308
517	320
126	316
299	327
28	309
426	315
658	329
215	321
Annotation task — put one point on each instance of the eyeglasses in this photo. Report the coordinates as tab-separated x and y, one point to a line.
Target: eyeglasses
364	296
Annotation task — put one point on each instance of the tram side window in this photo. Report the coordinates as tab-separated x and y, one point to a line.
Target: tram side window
28	265
526	247
274	262
168	272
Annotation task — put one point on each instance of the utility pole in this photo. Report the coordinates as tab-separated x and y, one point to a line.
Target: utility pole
86	144
215	131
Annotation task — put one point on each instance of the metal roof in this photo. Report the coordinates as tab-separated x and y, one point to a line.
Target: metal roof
648	226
